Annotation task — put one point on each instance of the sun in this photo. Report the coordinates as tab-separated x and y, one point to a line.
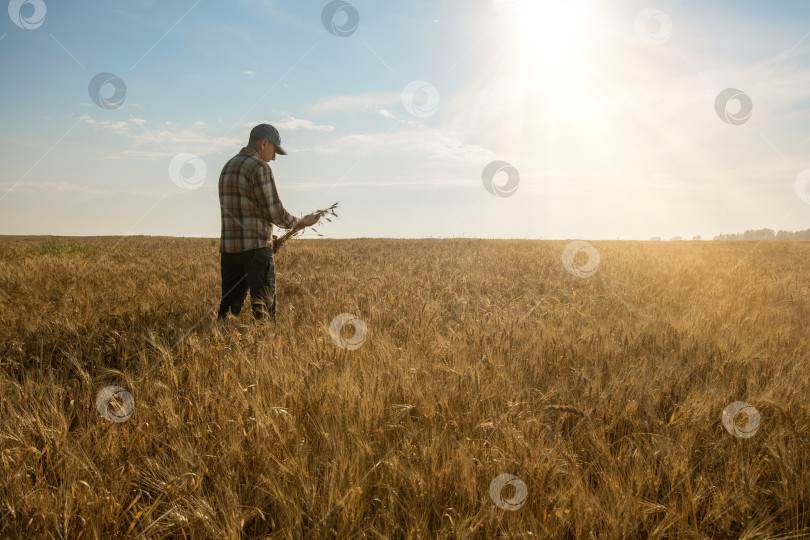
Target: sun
549	72
553	33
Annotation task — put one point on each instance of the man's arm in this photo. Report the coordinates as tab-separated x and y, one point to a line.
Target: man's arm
268	200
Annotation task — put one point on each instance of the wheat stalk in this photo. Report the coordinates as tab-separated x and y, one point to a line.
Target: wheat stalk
567	409
278	242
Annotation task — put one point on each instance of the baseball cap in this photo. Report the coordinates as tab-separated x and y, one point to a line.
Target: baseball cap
266	131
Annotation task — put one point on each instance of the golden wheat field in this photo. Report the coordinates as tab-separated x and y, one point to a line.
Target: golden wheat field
492	393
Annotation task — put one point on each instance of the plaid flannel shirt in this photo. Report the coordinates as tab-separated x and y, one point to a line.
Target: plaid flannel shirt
249	203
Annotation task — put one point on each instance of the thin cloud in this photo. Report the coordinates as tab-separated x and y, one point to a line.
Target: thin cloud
432	183
362	102
68	187
292	124
120	127
162	141
437	146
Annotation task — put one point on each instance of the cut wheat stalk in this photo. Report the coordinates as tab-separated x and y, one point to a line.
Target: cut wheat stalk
325	213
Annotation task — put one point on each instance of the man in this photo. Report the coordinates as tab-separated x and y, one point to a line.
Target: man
249	207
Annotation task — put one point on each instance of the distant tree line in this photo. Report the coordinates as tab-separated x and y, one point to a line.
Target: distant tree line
766	234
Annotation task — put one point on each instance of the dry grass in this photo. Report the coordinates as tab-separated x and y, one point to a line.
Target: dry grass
604	395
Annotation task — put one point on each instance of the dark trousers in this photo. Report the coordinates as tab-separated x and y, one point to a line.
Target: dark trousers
252	270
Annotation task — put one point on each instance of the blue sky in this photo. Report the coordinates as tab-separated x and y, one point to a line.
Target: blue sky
606	112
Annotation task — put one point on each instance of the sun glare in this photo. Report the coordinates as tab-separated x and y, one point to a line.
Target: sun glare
552	32
550	63
554	90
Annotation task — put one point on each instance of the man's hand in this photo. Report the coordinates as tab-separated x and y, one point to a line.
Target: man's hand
310	220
